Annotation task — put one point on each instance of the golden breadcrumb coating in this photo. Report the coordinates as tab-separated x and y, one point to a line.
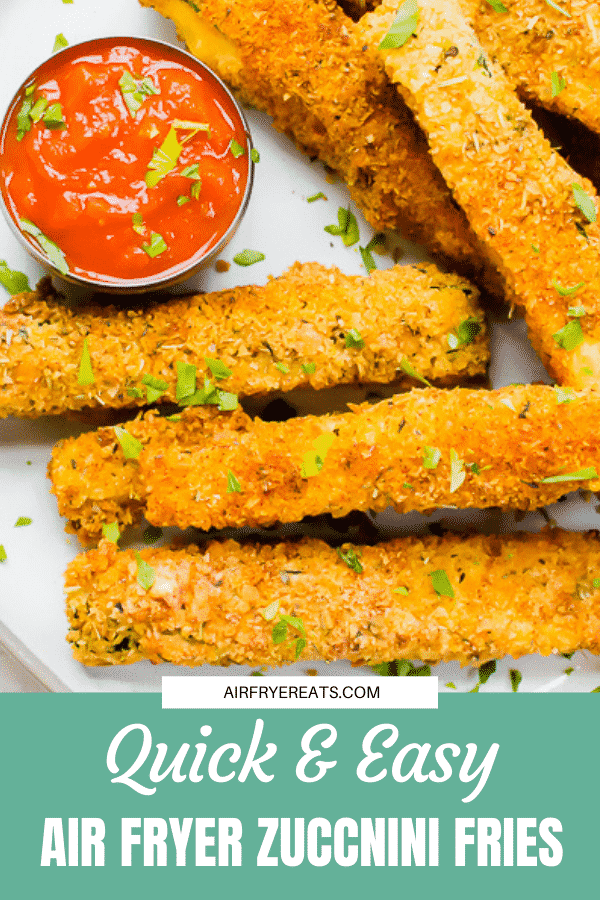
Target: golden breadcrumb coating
417	451
516	191
263	335
306	64
512	596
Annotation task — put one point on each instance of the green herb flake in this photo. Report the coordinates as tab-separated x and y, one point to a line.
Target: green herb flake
3	556
186	380
85	375
401	590
52	250
111	532
137	223
486	670
431	457
130	445
152	534
350	557
227	402
236	149
195	190
24	117
60	42
255	155
217	368
282	368
313	197
53	117
145	573
558	84
155	387
353	339
515	679
347	227
581	475
564	394
12	281
279	633
270	611
497	6
569	671
309	368
468	330
164	158
577	311
441	583
38	109
567	292
408	370
156	246
248	257
457	471
569	336
233	485
22	521
182	199
584	202
367	258
451	685
135	392
191	172
559	9
595	690
132	96
313	460
403	26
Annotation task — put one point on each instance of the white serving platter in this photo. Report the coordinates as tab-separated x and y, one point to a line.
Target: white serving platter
281	224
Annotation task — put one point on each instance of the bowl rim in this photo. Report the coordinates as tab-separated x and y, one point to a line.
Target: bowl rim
155	282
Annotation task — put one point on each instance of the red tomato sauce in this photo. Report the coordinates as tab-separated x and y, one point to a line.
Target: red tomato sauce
82	182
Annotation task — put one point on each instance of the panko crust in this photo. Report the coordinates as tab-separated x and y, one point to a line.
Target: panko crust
495	450
407	312
513	595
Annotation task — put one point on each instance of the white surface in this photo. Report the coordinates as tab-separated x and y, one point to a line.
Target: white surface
281	224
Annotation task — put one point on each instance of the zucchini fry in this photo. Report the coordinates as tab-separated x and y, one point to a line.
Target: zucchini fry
305	64
536	215
516	448
510	595
269	338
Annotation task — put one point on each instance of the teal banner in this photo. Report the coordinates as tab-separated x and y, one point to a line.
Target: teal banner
111	794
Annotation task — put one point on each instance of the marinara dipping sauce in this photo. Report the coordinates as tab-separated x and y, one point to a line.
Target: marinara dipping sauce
125	160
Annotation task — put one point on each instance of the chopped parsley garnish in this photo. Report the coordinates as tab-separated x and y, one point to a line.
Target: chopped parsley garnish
236	149
270	611
313	460
515	679
347	227
584	202
408	370
182	199
313	197
595	690
137	223
165	158
255	155
401	590
403	26
186	380
282	368
38	110
497	6
569	336
577	311
233	485
451	685
156	246
227	402
53	117
52	250
350	557
248	257
187	395
195	189
558	84
111	532
309	368
22	521
85	376
563	394
60	42
155	387
14	282
366	254
558	8
403	668
217	368
135	392
24	116
145	573
3	556
353	339
280	632
457	471
191	172
431	457
135	92
130	445
466	333
486	670
441	583
581	475
152	534
569	671
567	292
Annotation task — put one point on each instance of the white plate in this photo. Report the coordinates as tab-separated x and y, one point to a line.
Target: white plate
286	228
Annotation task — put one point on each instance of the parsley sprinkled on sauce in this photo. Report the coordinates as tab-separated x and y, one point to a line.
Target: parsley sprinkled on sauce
195	190
580	475
111	532
22	521
191	172
431	457
255	155
567	292
217	368
313	197
441	583
408	370
53	117
155	387
233	485
24	116
130	445
558	8
563	394
558	84
457	471
3	556
403	26
145	573
156	246
52	250
282	368
14	282
38	110
60	42
152	534
313	460
137	223
347	227
401	590
497	6
165	158
515	679
248	257
135	92
236	149
309	368
182	199
584	202
350	557
353	339
569	336
85	375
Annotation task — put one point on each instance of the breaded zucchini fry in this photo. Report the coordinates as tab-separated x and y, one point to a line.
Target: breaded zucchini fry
305	63
266	336
510	595
519	447
536	215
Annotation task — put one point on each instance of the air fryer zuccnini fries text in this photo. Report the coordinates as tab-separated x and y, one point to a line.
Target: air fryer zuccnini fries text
435	599
289	333
516	448
536	215
306	64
